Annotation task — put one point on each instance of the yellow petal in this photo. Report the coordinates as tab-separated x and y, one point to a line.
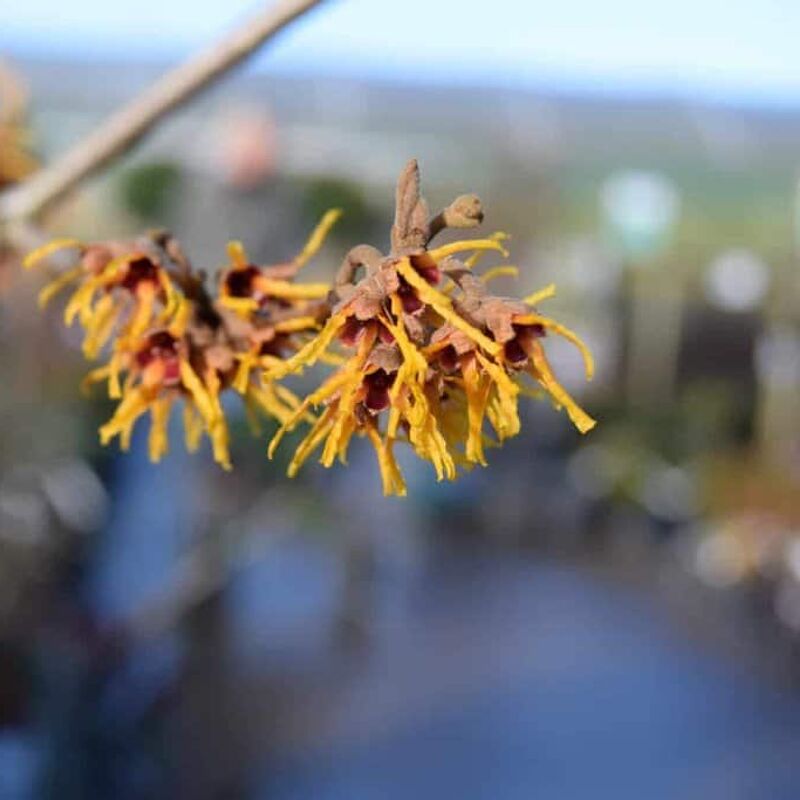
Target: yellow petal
241	305
391	477
477	392
172	297
180	321
498	236
40	253
95	376
219	444
507	391
506	270
125	436
100	327
308	354
143	313
237	254
438	253
114	388
317	237
338	438
268	401
566	333
296	324
192	426
80	302
133	405
242	378
328	388
543	294
312	440
582	421
57	284
292	291
158	441
444	307
198	392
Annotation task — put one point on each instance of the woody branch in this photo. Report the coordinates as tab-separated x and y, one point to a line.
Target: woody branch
22	204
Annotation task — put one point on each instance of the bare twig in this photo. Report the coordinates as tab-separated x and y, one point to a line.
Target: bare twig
127	126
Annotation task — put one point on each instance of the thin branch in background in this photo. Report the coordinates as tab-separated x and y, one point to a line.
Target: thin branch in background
125	128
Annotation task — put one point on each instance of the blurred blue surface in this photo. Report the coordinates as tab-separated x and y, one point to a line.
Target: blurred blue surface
578	690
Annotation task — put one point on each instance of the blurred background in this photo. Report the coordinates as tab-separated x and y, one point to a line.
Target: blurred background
610	616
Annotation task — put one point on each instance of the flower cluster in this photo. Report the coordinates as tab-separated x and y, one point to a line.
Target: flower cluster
167	339
432	358
421	351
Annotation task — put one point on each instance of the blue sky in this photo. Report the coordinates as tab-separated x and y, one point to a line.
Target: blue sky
726	49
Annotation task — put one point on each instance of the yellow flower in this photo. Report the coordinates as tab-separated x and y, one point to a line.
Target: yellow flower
276	313
160	369
121	290
248	288
429	365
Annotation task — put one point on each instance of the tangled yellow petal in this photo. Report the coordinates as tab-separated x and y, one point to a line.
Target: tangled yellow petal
307	355
192	426
45	251
318	236
133	405
566	333
57	284
443	306
543	294
506	391
391	477
477	392
313	439
438	253
158	441
241	305
293	291
497	236
582	421
505	271
238	255
100	327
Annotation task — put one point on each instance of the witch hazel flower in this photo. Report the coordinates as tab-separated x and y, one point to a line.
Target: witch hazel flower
429	354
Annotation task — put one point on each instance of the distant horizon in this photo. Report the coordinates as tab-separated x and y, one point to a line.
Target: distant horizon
557	83
744	55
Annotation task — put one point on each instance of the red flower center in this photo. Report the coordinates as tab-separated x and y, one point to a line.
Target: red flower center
239	282
161	346
140	271
427	267
275	347
408	297
448	359
516	350
353	328
378	384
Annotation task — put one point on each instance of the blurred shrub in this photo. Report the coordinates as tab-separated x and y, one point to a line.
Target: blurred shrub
358	220
150	191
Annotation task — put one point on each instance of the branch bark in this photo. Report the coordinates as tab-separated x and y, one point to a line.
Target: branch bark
127	126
